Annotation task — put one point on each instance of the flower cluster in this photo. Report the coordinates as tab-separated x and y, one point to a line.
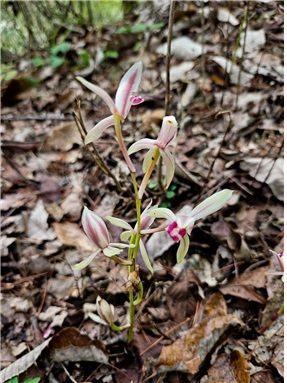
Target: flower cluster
177	227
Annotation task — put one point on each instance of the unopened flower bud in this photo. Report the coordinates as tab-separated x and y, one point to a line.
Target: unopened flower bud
95	228
106	311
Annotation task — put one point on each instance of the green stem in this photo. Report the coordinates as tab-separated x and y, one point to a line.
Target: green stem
132	254
116	328
147	175
140	295
118	130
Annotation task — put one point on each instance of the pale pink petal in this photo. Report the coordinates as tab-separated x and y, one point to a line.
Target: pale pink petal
95	228
167	132
168	161
148	159
211	204
145	257
98	129
182	249
162	212
119	222
99	92
128	87
145	143
86	261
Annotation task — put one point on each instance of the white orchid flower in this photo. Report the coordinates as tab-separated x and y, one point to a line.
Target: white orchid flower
165	140
125	98
96	230
180	227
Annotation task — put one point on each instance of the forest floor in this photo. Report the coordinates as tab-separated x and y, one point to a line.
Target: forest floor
216	317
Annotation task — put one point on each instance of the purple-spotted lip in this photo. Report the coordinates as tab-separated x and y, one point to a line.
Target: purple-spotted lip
175	233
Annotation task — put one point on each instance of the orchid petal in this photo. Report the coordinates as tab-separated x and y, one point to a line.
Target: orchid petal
167	132
136	100
97	319
145	143
99	92
85	262
211	204
125	235
128	86
95	228
168	161
110	251
182	249
98	129
119	222
122	245
147	159
145	257
162	212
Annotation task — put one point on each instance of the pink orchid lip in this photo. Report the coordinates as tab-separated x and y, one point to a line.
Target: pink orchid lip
136	100
175	232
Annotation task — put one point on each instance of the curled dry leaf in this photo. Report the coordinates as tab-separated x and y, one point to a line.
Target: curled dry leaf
70	234
38	227
69	345
189	352
22	364
229	369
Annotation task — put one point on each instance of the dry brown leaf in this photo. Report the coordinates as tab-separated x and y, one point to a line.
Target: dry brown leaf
63	137
38	227
22	364
189	352
69	345
269	347
255	277
70	234
229	369
244	292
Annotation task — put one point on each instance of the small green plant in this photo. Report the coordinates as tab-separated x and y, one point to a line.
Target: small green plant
56	58
15	379
140	28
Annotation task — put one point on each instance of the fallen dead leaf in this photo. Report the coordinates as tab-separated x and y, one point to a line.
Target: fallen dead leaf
189	352
63	137
70	234
38	227
244	292
229	369
259	169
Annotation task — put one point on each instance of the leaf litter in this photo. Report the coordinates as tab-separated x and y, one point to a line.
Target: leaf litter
48	175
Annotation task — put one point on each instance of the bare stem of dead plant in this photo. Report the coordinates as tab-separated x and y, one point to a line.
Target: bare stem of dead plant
167	83
245	22
98	159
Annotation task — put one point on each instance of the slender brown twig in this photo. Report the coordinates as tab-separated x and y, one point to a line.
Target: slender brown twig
167	83
245	20
98	159
227	130
278	154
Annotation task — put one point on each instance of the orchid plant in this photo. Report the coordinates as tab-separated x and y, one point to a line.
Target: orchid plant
176	226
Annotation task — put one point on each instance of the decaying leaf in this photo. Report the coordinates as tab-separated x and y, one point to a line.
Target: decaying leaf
63	137
268	348
229	368
189	352
69	345
259	169
70	234
38	227
22	364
